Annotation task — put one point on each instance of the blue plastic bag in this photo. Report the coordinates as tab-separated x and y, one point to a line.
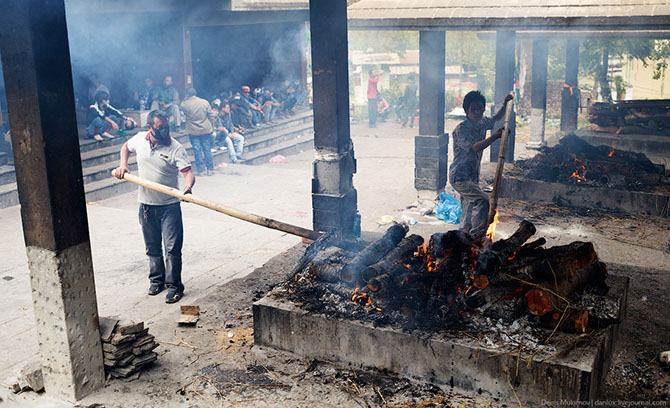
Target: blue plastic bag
448	209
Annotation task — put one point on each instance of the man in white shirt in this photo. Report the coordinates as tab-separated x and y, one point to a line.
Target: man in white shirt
160	159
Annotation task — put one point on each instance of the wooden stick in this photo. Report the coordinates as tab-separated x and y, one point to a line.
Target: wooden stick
233	212
493	200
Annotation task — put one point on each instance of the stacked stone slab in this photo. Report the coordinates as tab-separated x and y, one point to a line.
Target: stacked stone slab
127	347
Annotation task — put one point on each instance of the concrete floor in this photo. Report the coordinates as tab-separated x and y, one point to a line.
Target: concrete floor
219	248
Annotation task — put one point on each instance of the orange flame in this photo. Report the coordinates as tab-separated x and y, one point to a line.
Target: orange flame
611	153
492	227
361	298
580	168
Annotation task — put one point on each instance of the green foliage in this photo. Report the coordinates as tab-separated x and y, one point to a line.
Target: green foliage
619	86
384	41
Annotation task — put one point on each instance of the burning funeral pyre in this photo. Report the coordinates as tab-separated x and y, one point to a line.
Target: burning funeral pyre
574	161
641	117
450	282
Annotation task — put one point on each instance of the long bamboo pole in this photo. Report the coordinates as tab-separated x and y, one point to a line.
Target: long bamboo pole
233	212
493	199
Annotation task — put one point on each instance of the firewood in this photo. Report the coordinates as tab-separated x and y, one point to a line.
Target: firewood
328	263
571	320
351	273
494	255
395	259
542	302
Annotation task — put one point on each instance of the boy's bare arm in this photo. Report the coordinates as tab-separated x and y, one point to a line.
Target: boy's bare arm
479	146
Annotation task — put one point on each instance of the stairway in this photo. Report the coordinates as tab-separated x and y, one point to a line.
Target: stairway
98	159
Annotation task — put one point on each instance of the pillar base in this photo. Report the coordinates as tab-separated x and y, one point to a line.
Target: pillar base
66	316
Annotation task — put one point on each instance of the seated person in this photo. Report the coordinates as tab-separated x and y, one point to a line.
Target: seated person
300	92
269	105
167	99
254	106
143	98
287	99
224	133
101	116
241	111
382	108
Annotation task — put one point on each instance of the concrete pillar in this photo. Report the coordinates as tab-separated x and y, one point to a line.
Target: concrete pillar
538	93
570	94
334	199
40	98
431	145
188	59
504	84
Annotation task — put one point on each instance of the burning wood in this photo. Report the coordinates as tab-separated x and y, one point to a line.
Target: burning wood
452	276
645	117
575	161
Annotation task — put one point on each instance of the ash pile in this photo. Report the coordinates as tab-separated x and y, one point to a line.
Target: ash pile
127	347
575	161
452	283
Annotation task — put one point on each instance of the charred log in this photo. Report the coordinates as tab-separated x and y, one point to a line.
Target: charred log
326	266
543	301
572	320
394	260
351	273
496	254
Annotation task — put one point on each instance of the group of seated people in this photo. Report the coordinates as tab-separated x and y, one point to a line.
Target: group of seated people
233	111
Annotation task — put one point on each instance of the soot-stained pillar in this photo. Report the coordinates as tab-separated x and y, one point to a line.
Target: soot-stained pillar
333	194
570	95
504	84
188	60
538	93
431	145
40	98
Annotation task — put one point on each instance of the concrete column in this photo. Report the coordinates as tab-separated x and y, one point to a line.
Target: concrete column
40	98
570	94
188	59
334	199
431	145
504	84
538	93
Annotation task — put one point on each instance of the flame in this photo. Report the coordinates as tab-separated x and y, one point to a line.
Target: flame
611	153
580	168
492	227
361	298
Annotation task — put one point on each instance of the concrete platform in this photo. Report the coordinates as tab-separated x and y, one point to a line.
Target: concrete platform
543	192
573	372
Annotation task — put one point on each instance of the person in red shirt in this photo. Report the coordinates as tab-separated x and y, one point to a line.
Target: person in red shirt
372	97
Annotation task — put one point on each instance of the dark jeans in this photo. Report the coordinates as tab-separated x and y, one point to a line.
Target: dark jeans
162	224
372	111
409	113
202	145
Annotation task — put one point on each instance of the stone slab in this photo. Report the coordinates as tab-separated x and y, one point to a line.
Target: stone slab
543	192
459	362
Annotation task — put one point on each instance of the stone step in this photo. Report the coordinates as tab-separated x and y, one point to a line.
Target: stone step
287	137
7	174
293	146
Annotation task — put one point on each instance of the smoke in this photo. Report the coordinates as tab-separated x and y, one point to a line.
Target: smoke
256	55
124	48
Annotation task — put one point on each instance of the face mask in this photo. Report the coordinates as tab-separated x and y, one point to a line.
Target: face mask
237	97
162	134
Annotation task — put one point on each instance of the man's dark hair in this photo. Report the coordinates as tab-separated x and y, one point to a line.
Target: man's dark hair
101	96
157	114
411	78
191	92
371	71
473	96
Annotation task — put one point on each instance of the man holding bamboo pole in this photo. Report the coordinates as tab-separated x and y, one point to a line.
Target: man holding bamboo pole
469	142
160	159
